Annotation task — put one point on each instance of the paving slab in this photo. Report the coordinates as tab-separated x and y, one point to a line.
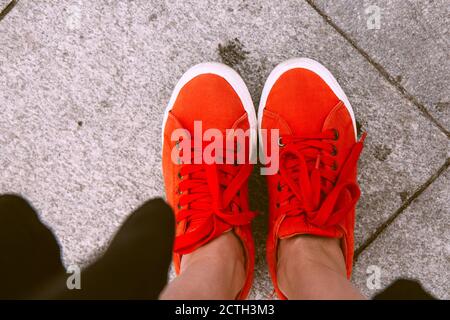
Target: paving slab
412	44
416	245
83	86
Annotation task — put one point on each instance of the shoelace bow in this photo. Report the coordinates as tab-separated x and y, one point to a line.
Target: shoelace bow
212	200
315	185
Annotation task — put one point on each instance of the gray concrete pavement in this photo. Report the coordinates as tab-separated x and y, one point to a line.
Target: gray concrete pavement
83	86
416	245
411	44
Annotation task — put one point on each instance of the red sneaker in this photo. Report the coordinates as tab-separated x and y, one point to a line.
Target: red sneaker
315	190
210	199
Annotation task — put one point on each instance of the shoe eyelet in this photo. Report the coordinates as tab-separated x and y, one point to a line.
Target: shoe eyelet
278	205
180	176
334	167
336	134
180	192
179	207
279	187
334	151
280	142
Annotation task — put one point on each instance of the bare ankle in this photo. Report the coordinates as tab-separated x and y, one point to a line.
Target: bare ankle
306	252
226	247
225	253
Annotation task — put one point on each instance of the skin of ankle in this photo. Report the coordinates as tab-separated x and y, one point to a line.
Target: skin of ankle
223	255
306	253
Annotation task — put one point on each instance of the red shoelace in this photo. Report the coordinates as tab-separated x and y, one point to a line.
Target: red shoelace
211	202
312	184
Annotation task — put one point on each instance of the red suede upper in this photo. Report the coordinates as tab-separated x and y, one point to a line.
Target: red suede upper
208	200
303	198
212	100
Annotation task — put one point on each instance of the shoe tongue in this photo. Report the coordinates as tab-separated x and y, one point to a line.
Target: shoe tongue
292	226
195	223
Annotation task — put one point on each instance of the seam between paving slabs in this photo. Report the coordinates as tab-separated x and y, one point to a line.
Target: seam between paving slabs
402	208
380	69
414	101
375	64
7	9
391	80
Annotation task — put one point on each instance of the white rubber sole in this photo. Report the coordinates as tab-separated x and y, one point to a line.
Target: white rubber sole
236	82
309	64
